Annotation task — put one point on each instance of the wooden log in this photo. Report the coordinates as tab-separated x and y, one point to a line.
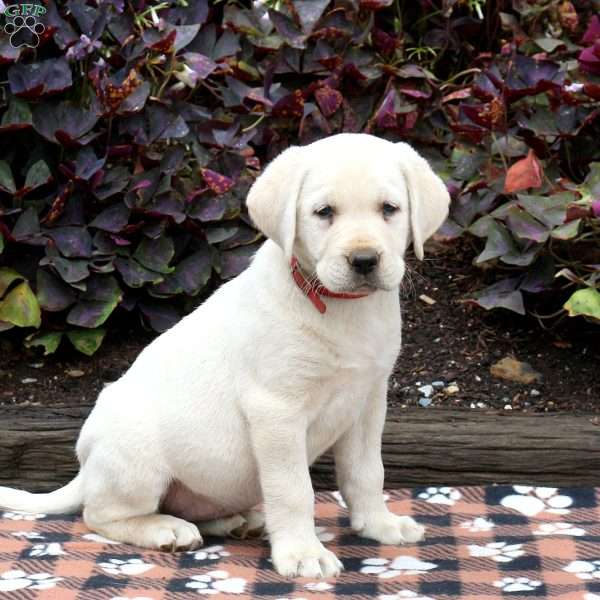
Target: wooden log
420	447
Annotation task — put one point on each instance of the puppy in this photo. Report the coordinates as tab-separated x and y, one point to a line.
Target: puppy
230	407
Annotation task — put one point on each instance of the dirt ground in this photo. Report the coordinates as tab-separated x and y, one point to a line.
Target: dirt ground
448	343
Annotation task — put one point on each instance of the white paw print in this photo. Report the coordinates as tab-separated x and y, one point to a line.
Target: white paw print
131	598
401	565
591	596
517	584
18	580
498	551
321	586
51	549
215	582
584	569
324	534
133	566
30	535
559	529
403	594
480	524
17	515
340	500
530	501
442	495
210	553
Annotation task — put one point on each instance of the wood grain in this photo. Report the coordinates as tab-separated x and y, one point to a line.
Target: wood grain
420	447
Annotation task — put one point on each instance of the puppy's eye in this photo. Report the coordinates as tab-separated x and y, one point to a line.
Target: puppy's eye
325	212
389	209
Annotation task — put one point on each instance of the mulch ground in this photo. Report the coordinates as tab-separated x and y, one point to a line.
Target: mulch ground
451	343
481	544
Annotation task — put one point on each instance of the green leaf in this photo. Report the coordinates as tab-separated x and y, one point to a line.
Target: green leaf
585	303
499	242
17	116
156	254
88	341
7	183
49	341
38	175
20	307
1	243
8	276
567	231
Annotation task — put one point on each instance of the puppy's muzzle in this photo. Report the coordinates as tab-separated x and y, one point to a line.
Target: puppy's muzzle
363	261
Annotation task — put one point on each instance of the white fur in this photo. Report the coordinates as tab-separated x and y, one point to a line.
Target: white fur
242	395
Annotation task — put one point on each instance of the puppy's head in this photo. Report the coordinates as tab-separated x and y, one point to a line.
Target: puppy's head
347	206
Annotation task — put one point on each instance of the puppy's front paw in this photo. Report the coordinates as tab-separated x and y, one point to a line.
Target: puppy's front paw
304	558
392	529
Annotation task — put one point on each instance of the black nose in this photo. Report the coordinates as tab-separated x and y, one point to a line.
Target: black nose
363	261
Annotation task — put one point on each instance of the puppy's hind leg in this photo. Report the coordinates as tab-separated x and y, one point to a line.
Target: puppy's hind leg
249	524
123	506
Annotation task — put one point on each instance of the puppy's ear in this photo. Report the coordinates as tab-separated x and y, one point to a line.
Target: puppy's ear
273	198
427	196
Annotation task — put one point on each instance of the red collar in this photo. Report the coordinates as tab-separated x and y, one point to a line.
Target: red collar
316	289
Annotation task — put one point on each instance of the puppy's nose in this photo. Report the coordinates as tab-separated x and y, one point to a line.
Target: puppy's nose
363	261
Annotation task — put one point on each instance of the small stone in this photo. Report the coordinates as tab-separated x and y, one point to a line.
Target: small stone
481	405
426	390
438	384
514	370
29	380
477	378
452	389
424	402
427	299
535	392
37	365
75	373
507	407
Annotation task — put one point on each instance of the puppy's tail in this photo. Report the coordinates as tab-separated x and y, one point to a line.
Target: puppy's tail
67	499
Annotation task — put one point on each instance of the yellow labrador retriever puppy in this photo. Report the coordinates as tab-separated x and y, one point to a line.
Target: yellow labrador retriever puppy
230	407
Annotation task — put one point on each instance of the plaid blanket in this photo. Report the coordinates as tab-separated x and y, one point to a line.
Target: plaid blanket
482	543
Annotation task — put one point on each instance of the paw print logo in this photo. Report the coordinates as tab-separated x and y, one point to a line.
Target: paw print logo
518	584
401	565
530	501
584	569
559	529
24	31
210	553
19	580
498	551
133	566
442	495
478	525
51	549
17	515
216	582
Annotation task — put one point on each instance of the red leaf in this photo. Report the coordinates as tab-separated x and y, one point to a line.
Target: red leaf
524	174
328	99
218	183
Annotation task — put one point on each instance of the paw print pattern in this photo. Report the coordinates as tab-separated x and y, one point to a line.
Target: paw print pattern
517	584
19	580
442	495
584	569
28	535
402	594
320	586
17	515
24	31
498	551
530	501
215	582
401	565
51	549
478	525
133	566
559	529
210	553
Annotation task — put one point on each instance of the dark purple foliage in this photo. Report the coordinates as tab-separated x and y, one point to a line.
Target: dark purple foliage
130	136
